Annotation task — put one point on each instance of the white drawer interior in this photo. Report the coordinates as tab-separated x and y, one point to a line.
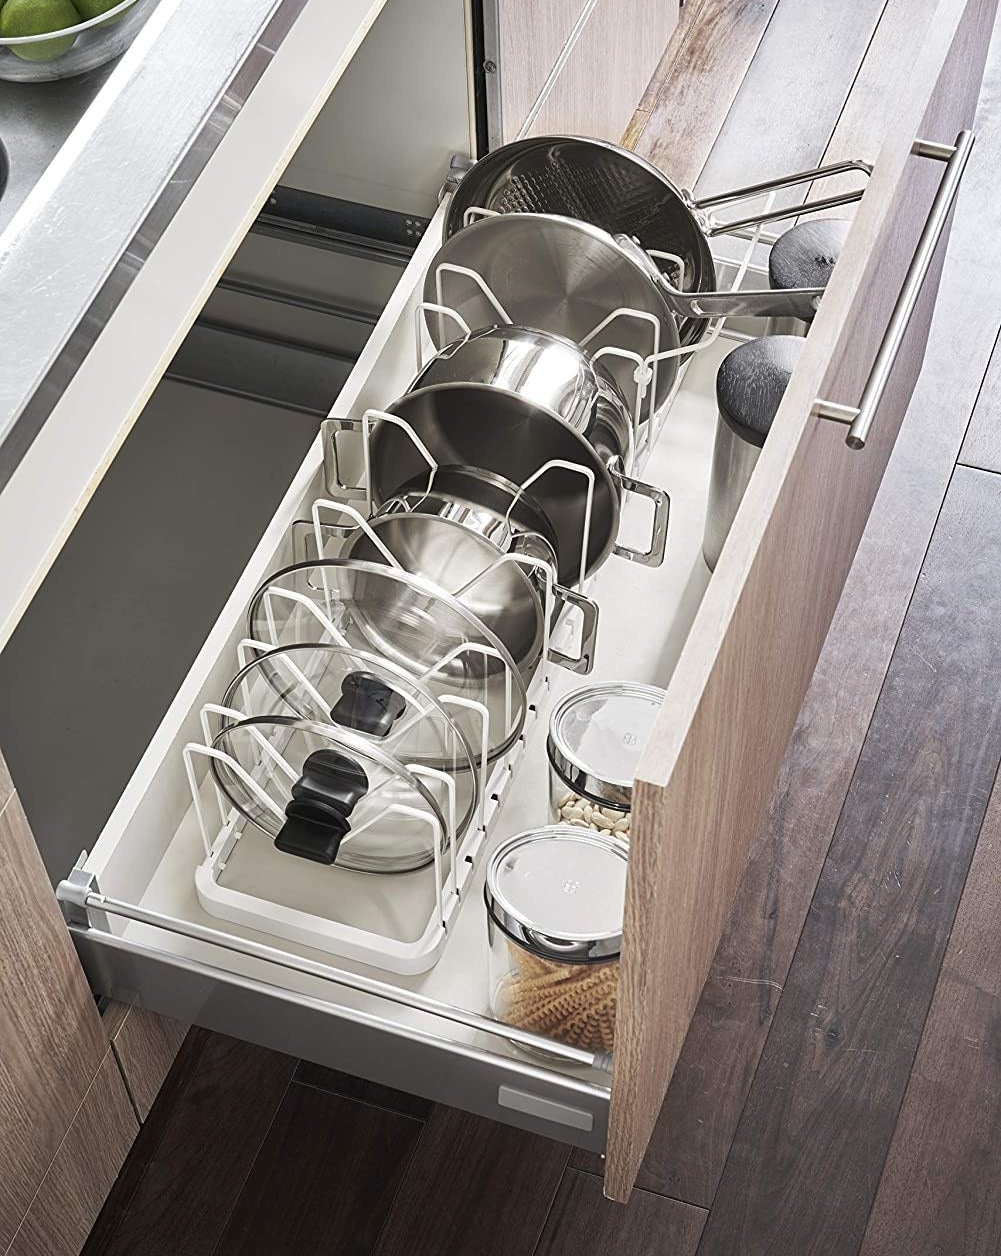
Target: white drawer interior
148	852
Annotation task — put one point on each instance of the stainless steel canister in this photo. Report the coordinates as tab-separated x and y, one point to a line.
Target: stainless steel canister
555	899
596	737
750	384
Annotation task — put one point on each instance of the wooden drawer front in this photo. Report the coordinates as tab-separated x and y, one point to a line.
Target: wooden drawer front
144	1045
83	1171
706	776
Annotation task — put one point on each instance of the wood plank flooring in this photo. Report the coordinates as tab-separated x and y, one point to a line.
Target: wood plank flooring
801	1174
840	1089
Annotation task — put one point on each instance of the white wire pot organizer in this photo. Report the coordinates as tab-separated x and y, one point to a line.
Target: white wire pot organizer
427	785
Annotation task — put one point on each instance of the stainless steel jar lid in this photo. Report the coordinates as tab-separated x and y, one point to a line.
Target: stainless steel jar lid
597	735
560	892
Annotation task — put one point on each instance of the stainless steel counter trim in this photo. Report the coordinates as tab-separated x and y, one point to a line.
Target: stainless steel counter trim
56	297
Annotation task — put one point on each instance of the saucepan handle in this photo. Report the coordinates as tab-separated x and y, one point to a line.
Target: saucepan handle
583	661
653	555
753	190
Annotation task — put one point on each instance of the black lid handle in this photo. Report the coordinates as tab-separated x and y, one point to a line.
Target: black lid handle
316	817
367	704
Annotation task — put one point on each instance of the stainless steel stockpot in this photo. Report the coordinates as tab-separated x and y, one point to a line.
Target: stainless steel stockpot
505	596
477	425
547	369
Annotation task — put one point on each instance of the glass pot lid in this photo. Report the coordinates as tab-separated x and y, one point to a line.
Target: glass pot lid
405	620
560	892
324	794
597	735
365	695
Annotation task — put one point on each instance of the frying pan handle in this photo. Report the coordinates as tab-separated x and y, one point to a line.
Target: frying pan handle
753	190
583	662
731	303
653	555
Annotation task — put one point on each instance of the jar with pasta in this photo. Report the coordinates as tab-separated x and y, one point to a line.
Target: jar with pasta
555	898
596	737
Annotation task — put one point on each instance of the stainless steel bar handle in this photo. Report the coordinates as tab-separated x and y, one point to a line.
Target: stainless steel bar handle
859	418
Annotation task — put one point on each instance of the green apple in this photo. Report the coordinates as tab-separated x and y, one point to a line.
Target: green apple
38	17
94	8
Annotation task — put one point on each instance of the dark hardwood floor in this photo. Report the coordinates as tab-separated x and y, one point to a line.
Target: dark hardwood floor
840	1088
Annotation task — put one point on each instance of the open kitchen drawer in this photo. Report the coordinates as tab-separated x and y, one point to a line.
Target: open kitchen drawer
735	651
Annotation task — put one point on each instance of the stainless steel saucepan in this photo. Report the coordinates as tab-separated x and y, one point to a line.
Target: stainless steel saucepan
500	574
614	189
550	371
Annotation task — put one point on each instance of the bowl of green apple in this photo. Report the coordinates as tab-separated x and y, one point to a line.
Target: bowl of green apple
53	39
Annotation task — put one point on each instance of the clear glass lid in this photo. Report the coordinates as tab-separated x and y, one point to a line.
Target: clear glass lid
597	735
407	621
365	695
324	794
560	891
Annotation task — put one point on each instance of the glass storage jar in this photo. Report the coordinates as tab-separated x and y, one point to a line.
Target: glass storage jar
555	898
596	737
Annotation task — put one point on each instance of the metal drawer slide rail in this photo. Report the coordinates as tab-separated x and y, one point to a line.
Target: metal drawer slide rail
79	898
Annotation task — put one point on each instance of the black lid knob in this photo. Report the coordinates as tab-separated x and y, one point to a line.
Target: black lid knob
323	798
367	704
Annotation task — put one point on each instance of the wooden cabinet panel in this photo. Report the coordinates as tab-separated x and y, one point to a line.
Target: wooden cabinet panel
706	776
145	1045
51	1039
529	39
614	48
85	1166
608	70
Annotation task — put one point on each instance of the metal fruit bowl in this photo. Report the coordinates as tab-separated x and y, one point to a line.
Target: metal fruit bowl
74	49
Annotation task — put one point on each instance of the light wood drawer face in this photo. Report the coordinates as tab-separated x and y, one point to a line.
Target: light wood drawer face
733	700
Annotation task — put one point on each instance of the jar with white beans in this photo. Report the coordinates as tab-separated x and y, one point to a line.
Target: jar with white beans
596	737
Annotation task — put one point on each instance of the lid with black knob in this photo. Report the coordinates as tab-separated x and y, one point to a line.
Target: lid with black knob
329	795
365	695
409	621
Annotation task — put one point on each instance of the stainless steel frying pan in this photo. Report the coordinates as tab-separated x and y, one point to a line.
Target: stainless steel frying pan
616	190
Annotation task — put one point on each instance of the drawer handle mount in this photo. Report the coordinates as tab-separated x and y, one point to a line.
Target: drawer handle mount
859	418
